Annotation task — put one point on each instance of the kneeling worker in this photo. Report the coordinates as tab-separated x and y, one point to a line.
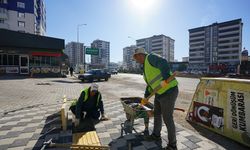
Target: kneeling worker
88	105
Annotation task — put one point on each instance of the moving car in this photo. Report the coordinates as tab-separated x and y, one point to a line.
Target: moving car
94	74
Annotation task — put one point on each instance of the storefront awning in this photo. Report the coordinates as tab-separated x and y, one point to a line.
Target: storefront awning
46	54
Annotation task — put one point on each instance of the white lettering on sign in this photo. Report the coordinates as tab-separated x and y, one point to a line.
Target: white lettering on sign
237	110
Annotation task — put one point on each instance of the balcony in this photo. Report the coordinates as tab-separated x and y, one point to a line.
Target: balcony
195	33
228	27
229	32
228	49
229	43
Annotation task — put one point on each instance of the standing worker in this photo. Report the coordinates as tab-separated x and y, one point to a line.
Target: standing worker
71	71
156	70
88	105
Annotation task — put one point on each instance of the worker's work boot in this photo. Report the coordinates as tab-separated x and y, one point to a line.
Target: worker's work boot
171	147
153	137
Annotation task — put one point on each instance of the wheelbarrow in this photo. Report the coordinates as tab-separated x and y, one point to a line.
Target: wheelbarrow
134	110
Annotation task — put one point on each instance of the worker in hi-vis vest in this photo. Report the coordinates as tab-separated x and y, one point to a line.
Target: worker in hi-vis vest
88	105
155	70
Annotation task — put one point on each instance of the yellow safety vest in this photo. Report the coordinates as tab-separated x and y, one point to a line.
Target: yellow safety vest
86	96
153	77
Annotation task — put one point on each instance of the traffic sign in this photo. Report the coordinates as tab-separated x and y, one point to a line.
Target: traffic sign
92	51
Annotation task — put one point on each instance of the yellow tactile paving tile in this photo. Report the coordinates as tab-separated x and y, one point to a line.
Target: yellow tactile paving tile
86	138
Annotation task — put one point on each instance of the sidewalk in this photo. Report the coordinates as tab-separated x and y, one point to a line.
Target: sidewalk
32	125
26	129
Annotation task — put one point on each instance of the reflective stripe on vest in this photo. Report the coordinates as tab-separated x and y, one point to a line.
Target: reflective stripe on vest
153	77
86	96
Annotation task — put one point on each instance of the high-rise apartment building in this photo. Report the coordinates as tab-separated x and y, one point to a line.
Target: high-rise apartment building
101	60
27	16
128	61
159	44
75	53
216	44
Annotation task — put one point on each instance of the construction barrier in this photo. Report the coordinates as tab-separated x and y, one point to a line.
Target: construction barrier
223	106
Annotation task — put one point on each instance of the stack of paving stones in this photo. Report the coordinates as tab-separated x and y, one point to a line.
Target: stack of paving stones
30	127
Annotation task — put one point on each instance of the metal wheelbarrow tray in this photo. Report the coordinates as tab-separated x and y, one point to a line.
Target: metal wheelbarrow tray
133	111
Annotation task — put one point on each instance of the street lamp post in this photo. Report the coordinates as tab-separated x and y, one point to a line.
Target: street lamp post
78	31
78	45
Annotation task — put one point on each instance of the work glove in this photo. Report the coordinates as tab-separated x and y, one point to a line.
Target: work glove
164	83
144	101
77	122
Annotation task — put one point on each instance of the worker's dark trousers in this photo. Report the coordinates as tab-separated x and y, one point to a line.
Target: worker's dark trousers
163	108
95	114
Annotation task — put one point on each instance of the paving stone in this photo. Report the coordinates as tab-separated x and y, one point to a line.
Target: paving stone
2	133
20	142
129	137
139	148
115	135
206	145
100	130
193	138
25	135
105	140
149	145
3	121
35	136
190	144
22	123
103	135
184	133
6	127
181	138
29	129
13	134
4	147
121	144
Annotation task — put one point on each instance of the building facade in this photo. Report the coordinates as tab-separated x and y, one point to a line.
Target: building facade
159	44
27	16
128	61
75	52
218	44
29	54
101	60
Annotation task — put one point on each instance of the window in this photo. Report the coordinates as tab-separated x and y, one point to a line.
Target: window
3	1
20	15
20	5
16	59
5	59
21	24
10	60
1	20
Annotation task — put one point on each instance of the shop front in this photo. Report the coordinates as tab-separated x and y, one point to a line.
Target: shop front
27	54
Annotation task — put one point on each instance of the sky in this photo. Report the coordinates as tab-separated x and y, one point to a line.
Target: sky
117	20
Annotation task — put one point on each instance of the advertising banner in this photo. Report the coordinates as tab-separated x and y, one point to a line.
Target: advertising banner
222	105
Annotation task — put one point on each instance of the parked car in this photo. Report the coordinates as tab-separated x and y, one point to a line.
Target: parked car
94	74
114	72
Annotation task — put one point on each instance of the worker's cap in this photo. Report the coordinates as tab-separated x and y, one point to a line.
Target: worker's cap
139	51
94	87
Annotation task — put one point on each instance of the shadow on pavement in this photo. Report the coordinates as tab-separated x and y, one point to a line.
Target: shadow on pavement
52	131
134	141
13	77
64	81
219	139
